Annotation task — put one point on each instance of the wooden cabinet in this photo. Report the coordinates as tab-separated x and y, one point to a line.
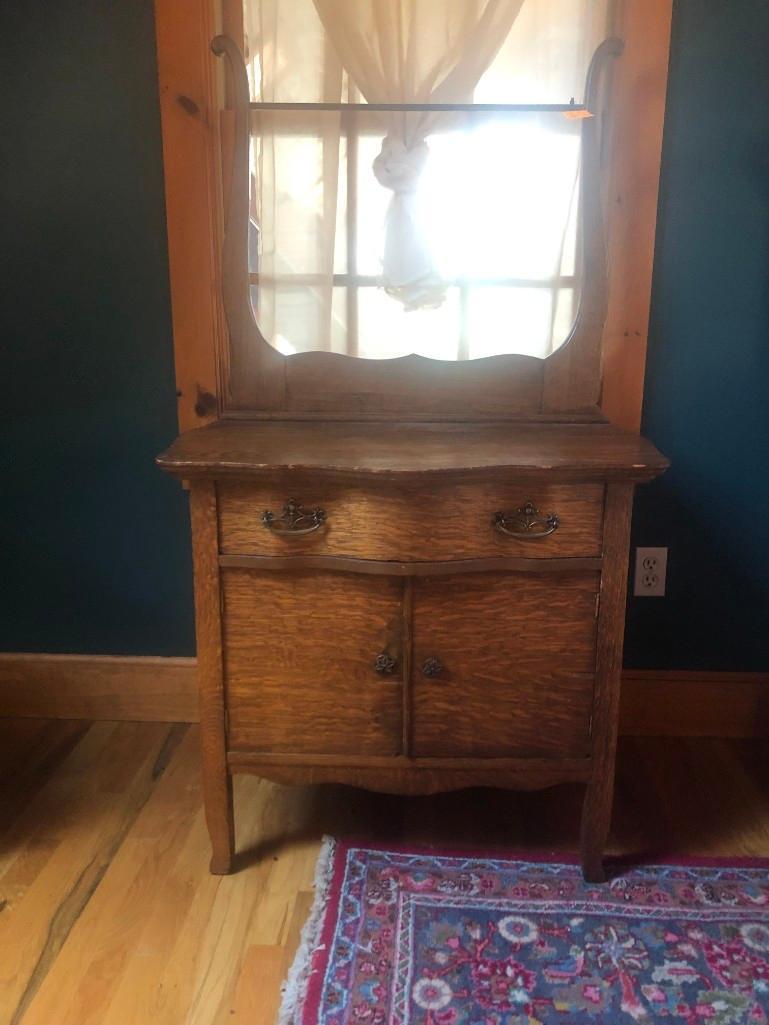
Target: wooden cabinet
410	573
504	664
292	684
447	613
467	665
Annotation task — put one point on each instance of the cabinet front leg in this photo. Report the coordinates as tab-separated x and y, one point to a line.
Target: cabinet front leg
220	819
596	820
217	780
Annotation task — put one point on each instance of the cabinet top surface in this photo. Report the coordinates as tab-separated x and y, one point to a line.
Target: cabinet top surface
569	450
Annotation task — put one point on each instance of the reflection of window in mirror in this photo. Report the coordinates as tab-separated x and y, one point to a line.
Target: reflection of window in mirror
450	234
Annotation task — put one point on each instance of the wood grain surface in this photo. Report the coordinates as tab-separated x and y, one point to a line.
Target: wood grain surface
558	451
217	781
300	652
323	382
596	818
632	173
679	703
518	657
193	202
98	687
388	521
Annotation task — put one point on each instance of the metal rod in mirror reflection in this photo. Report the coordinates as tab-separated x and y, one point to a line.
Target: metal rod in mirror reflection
453	108
374	281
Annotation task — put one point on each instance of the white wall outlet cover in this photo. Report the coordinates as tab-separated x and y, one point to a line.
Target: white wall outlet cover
651	567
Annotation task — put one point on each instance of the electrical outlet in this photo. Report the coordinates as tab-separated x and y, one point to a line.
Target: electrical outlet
651	566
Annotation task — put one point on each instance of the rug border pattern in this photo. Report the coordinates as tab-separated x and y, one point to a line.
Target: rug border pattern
309	974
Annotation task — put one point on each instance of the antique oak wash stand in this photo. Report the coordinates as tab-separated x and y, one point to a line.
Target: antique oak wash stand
392	598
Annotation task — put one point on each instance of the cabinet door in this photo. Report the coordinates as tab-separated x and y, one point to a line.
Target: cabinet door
504	664
301	653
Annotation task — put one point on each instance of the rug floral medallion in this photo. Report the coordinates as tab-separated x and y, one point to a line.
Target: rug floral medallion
415	938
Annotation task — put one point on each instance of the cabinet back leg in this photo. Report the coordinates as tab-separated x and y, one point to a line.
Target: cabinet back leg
596	820
220	818
596	810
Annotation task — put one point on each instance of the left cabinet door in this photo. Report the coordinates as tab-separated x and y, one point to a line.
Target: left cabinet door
302	665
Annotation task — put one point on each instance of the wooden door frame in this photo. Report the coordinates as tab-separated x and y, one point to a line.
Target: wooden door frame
192	146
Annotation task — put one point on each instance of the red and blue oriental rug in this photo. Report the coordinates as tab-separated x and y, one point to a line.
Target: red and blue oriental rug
407	937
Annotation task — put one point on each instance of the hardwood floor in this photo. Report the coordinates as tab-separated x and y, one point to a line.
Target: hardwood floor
108	914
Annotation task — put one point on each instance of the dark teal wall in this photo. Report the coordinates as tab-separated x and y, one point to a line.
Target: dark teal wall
94	541
707	379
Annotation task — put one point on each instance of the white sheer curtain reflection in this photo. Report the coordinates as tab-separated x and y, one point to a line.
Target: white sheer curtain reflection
413	51
480	233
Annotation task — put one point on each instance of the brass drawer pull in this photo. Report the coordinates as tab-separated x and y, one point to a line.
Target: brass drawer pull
432	666
526	523
385	664
295	520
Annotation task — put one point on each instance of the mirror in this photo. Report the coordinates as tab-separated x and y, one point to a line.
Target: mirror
495	205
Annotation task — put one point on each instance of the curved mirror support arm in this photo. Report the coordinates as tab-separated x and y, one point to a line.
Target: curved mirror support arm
594	297
236	295
573	372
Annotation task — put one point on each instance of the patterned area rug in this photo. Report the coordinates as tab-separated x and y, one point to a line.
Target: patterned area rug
405	937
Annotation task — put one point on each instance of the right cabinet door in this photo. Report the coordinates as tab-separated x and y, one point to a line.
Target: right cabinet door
504	664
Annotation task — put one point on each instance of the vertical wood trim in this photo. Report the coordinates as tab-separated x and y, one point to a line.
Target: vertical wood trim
611	616
217	783
597	811
407	660
350	121
232	19
634	153
234	27
190	123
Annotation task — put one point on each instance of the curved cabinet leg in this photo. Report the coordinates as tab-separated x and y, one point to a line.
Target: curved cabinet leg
596	819
220	819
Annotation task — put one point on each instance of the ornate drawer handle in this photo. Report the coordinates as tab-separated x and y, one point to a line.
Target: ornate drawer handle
295	520
432	666
527	522
385	664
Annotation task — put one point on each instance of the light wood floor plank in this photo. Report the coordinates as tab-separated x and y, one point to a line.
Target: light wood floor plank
257	995
40	925
83	981
28	758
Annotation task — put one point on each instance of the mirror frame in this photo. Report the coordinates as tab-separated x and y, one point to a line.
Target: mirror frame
262	383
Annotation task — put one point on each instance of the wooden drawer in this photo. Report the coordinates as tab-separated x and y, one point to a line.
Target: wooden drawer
299	657
513	661
423	523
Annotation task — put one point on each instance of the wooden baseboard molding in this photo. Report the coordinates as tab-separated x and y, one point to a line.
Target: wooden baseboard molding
669	703
654	702
98	687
